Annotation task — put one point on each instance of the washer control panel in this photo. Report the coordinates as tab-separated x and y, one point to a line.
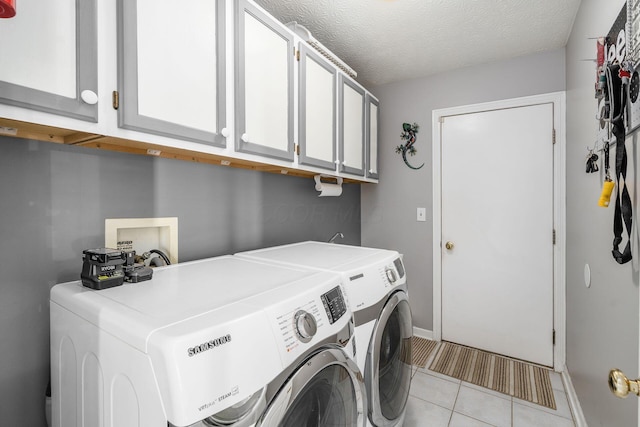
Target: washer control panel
334	304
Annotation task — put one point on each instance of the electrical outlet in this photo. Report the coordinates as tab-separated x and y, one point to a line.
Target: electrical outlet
421	214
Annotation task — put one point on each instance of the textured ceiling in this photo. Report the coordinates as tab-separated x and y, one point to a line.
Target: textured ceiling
391	40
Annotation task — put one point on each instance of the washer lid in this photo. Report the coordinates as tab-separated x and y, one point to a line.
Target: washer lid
183	290
176	293
319	255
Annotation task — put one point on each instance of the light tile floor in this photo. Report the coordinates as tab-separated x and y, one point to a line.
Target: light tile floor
436	400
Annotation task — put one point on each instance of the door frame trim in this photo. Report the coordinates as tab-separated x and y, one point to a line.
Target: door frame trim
559	215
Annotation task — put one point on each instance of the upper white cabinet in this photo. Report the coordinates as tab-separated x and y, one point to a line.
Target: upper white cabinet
264	84
316	109
171	69
221	81
49	53
372	120
351	134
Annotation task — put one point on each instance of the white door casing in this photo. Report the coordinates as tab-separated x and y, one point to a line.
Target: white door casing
501	229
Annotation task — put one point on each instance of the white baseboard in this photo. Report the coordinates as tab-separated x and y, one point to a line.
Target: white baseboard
423	333
574	403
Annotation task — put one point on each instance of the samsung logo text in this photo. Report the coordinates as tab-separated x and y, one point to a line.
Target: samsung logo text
192	351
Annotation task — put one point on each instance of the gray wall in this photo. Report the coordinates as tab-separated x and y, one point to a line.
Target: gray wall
53	203
602	321
389	208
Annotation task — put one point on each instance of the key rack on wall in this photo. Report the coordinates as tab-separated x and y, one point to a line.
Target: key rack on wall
620	46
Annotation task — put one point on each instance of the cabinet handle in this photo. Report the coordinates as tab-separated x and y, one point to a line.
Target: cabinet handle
244	137
225	132
89	97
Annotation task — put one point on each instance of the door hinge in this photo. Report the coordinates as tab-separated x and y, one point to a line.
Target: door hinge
554	237
298	55
553	136
115	99
554	337
297	148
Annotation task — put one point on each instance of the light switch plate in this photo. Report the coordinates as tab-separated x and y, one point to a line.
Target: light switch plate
421	214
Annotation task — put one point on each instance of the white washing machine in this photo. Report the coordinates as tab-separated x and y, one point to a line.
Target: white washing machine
223	341
376	287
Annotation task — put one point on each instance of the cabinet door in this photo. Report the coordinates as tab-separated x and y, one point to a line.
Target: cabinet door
171	78
351	132
317	110
50	56
264	84
373	116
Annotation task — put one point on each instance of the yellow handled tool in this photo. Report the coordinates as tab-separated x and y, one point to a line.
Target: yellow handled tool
605	196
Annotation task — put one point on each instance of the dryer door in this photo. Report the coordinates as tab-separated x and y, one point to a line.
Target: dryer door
388	366
326	390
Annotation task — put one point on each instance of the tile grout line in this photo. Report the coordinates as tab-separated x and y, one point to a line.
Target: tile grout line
512	402
512	386
454	404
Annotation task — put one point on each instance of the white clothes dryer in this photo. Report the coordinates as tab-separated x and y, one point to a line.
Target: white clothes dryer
223	341
376	289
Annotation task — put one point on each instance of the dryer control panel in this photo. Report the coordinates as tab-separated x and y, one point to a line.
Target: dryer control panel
399	266
334	304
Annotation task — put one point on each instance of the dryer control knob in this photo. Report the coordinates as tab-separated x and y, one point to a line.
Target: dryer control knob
304	325
391	275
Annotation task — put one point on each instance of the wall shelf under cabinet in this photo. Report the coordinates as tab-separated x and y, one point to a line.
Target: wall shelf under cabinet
32	131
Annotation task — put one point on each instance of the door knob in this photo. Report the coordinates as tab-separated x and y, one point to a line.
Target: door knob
620	385
448	245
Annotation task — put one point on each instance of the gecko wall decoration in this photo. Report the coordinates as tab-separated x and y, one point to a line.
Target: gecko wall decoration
409	132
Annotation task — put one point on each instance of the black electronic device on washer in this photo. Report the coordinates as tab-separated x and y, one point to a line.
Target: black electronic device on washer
135	272
102	268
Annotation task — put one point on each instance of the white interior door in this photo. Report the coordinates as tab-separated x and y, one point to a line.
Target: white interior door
497	213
